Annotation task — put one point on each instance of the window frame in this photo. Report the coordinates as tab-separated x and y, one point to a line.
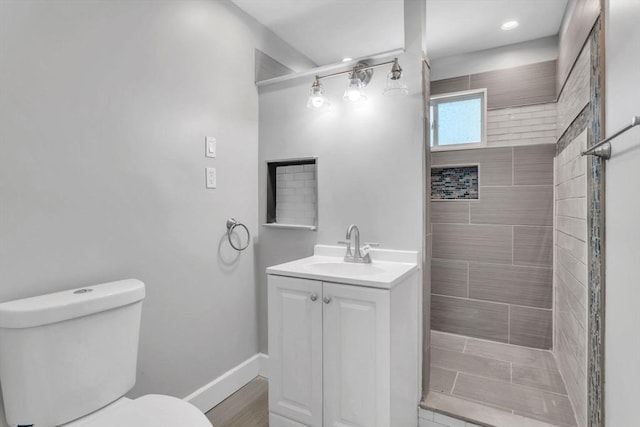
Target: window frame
458	96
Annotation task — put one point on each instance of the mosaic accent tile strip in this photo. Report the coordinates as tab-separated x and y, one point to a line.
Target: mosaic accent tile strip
591	118
595	194
454	183
578	125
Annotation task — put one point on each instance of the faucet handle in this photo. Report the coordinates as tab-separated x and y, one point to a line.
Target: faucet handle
373	244
343	242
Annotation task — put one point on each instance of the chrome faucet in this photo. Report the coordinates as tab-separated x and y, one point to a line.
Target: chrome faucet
357	257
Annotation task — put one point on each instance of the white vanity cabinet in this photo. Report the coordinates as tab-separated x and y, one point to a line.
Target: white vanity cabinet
343	354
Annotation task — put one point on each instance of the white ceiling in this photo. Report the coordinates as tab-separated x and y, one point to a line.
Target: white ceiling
328	30
461	26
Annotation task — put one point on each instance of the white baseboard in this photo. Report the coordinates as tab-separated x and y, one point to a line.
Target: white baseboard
208	396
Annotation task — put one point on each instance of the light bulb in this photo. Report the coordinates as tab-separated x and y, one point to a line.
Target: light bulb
509	25
354	92
317	101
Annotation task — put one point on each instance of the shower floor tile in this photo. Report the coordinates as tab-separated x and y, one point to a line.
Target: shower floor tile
518	380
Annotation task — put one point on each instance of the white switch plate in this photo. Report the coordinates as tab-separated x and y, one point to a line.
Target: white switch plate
211	177
210	147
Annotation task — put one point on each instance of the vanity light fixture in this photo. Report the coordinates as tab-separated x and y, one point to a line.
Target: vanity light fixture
509	25
359	77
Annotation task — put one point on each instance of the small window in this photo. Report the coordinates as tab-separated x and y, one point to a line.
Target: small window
458	120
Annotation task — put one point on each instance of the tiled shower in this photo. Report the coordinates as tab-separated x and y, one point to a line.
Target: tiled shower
510	285
492	257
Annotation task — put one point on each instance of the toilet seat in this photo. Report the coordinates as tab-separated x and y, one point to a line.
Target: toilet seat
152	410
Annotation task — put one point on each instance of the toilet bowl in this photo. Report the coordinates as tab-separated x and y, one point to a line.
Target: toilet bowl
68	358
152	410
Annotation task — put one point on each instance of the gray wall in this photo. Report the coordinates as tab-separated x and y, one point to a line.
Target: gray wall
492	258
577	24
571	285
519	86
104	107
622	392
513	55
571	249
369	162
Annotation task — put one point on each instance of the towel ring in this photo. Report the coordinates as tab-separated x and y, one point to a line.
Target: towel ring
231	225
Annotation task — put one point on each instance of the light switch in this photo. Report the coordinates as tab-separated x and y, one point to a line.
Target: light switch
211	177
210	146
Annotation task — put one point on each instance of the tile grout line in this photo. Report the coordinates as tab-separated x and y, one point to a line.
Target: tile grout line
492	302
511	372
509	324
513	167
494	263
526	387
468	279
454	382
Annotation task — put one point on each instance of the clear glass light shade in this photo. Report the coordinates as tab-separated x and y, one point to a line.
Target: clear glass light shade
395	85
355	91
317	100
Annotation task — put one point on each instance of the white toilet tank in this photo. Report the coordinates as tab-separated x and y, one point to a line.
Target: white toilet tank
67	354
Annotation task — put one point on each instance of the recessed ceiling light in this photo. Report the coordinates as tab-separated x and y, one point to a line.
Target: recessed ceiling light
509	25
347	59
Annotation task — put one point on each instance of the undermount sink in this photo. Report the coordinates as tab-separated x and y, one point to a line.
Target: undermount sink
344	268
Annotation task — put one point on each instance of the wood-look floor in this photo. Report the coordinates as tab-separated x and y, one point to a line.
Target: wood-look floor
248	407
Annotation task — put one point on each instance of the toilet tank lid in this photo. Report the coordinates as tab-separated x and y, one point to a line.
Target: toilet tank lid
65	305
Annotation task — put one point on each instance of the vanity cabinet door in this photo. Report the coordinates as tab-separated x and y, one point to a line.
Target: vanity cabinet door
295	349
356	356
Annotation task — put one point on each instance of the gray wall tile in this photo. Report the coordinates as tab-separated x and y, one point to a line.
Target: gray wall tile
479	243
441	380
533	246
454	84
570	265
575	247
495	163
478	319
452	212
448	341
572	188
471	364
528	286
572	226
533	165
549	380
550	407
576	92
569	301
523	85
522	356
530	327
449	277
514	205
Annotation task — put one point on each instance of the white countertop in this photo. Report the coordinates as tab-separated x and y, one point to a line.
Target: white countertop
388	267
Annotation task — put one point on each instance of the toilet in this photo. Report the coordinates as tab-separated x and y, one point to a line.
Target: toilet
68	358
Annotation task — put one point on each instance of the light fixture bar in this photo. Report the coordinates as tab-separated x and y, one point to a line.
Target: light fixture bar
368	67
326	68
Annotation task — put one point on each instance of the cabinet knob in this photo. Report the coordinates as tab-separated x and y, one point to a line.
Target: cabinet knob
314	297
327	300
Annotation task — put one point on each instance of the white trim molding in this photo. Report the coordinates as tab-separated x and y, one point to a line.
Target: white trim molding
211	394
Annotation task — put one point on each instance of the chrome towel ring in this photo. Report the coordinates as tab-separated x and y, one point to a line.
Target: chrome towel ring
231	225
